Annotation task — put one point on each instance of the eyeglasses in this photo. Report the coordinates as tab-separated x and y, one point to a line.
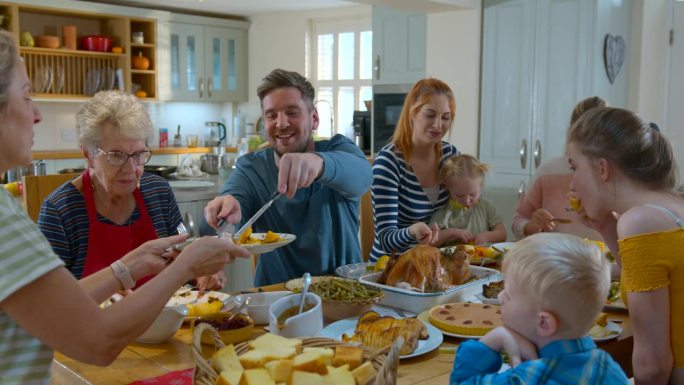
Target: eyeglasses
118	158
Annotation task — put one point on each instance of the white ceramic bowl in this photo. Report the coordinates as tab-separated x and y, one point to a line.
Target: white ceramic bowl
165	325
259	303
307	323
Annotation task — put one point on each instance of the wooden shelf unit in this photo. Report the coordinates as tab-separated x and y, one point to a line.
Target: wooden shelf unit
72	74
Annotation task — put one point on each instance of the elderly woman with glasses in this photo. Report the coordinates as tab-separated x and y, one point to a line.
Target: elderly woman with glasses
113	207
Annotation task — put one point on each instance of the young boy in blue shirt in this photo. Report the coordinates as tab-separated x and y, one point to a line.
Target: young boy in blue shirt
555	286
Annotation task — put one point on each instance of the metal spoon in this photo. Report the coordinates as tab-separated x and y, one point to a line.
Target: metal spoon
306	279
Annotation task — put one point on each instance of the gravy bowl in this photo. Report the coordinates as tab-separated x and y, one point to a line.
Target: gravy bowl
307	323
259	304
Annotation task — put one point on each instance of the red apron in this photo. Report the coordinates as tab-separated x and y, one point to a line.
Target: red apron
108	243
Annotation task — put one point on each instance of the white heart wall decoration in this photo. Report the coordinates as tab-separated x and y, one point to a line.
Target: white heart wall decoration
614	55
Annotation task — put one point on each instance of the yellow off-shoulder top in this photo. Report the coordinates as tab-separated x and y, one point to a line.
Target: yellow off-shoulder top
653	261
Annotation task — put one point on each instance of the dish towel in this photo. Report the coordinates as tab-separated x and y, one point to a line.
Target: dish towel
176	377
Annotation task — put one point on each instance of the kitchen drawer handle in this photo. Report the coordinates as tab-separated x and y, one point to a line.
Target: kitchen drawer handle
200	87
376	67
209	87
523	154
537	153
521	189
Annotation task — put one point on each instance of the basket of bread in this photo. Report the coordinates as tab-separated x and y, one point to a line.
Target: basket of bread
272	359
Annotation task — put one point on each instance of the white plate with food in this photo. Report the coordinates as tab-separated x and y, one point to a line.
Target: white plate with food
426	320
261	248
355	270
608	332
348	326
184	297
503	246
614	300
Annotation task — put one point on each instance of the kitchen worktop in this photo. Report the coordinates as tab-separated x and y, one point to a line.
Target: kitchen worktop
72	154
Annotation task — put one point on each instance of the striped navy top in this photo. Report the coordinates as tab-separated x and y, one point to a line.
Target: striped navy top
399	201
63	218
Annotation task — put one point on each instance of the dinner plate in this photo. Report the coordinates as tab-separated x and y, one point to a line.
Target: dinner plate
505	246
261	248
426	320
354	270
190	297
190	184
347	326
614	329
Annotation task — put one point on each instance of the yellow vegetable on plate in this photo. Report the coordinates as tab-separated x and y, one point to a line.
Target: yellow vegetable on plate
381	263
205	308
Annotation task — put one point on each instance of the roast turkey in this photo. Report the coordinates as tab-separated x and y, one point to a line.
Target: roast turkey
426	269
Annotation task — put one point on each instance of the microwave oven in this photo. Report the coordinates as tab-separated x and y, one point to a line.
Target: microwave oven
388	100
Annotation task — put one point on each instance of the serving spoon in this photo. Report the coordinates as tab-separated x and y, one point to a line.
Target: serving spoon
239	308
306	280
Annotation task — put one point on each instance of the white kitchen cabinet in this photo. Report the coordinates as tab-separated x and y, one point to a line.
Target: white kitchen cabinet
399	41
208	63
539	58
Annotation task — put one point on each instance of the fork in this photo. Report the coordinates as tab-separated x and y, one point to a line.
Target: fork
181	229
179	246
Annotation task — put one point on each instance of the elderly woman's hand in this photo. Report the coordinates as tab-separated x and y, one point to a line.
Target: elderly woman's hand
222	207
152	256
208	255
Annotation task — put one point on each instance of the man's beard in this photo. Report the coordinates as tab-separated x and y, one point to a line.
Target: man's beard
295	148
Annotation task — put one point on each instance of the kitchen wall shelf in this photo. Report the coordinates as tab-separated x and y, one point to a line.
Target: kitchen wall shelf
62	74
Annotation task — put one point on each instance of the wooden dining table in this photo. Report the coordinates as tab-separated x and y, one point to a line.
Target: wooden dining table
140	361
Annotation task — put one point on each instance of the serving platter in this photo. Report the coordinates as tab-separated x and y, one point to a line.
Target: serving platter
417	301
354	270
347	326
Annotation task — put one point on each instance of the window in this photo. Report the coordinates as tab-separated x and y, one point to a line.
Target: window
340	70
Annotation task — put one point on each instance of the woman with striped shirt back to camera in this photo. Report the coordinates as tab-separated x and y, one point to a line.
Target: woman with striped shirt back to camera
406	189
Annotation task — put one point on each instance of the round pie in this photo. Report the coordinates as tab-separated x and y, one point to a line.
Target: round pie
472	319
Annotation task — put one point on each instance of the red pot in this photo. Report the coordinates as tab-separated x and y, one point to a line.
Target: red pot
96	43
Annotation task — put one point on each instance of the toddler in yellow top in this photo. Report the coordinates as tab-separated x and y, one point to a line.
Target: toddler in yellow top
625	173
468	217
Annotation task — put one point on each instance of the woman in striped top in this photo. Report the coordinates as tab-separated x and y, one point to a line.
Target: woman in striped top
406	190
42	307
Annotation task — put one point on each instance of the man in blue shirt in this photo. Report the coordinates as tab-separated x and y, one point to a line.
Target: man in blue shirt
556	285
323	182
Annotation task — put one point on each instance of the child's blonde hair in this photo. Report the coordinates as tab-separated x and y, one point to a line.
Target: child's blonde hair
460	166
563	274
